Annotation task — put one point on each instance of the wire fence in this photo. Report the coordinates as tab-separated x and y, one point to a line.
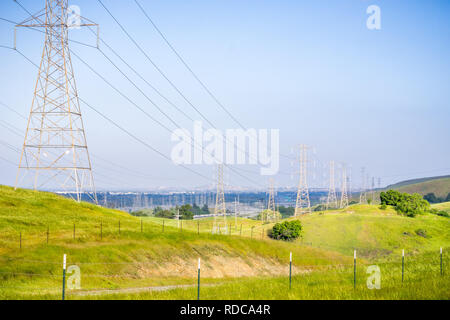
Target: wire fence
128	280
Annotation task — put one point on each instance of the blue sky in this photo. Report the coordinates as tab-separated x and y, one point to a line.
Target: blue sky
372	98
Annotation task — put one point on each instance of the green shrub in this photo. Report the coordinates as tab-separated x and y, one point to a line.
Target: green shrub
443	214
287	230
383	206
404	203
439	213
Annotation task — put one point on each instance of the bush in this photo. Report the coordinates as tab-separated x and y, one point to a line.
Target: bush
383	206
390	197
439	213
443	214
404	203
287	230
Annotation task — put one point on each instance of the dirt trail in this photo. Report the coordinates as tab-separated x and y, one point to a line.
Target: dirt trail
137	290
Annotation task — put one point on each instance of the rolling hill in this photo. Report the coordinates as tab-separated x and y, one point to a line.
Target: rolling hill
440	186
125	257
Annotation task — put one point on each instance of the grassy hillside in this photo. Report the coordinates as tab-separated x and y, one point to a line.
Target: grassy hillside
110	258
375	233
440	186
132	259
444	206
415	181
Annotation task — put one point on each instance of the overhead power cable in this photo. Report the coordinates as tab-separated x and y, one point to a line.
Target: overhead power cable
128	132
189	68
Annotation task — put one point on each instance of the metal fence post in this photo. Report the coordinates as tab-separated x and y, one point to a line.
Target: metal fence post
198	280
64	278
290	270
354	269
403	264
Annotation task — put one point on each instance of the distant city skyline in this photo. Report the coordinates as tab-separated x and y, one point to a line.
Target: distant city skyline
376	99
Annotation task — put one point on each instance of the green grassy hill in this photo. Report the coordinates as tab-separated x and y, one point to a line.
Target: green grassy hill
444	206
130	257
375	233
440	186
134	255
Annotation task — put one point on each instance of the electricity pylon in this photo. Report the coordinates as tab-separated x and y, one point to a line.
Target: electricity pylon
271	203
55	153
331	199
344	196
363	194
235	213
373	190
302	203
220	208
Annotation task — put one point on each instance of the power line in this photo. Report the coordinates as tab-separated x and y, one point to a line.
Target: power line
138	139
142	78
155	66
11	109
189	68
124	130
191	71
141	109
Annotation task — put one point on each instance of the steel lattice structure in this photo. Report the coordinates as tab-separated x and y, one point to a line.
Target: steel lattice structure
344	195
363	193
220	208
271	214
302	204
332	198
55	153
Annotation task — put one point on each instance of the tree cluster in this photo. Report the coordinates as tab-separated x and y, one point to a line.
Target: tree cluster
431	198
287	230
404	203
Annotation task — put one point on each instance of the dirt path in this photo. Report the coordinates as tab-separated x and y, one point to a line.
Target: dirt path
137	290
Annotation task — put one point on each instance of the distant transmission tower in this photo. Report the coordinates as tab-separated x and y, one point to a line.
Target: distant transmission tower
271	203
373	190
302	204
220	208
235	213
55	152
344	195
331	199
363	194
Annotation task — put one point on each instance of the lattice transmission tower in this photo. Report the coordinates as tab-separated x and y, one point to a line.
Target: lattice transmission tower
220	210
236	213
344	195
302	204
55	153
332	198
363	193
271	214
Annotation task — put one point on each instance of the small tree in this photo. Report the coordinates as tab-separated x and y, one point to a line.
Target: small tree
287	230
186	212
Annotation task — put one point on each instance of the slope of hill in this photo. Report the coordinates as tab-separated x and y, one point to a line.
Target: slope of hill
440	186
415	181
444	206
114	250
120	253
375	233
